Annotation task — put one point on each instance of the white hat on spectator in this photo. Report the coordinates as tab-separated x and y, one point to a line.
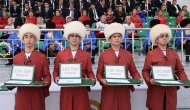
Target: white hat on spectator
159	29
114	28
68	17
74	27
29	28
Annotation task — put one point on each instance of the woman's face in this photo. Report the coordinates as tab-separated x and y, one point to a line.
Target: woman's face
134	11
109	12
182	13
84	13
57	13
31	13
160	13
185	8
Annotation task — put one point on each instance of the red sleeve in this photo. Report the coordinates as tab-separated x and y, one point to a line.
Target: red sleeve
147	68
165	21
46	73
133	20
139	22
100	70
178	20
56	66
90	73
35	20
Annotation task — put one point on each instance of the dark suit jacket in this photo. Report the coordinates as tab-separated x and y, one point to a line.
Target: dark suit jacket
76	14
91	14
26	12
172	10
86	4
37	9
48	14
15	13
151	7
102	9
129	8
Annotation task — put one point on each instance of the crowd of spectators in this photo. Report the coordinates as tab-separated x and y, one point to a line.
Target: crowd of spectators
55	14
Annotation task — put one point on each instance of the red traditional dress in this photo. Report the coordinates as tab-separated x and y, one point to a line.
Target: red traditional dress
3	22
33	98
74	98
59	21
162	20
136	20
116	97
32	20
159	97
84	18
179	19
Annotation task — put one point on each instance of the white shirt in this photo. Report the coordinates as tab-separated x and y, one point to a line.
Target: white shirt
71	14
95	14
101	25
39	8
164	51
116	52
9	27
129	26
41	26
177	11
73	53
27	55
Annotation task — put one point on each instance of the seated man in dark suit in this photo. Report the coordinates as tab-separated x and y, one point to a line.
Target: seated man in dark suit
38	8
15	10
47	12
174	9
94	13
71	11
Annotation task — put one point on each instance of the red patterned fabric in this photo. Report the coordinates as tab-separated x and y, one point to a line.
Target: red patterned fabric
116	97
136	20
3	22
59	21
32	20
156	94
74	98
84	18
162	20
33	98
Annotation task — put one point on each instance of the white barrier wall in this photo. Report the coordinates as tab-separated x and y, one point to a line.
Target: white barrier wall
7	99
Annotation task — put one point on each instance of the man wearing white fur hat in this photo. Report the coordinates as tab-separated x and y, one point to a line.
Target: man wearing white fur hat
158	97
74	98
115	97
32	98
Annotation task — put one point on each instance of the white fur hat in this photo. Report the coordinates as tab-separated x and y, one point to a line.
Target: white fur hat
29	28
114	28
75	27
159	29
